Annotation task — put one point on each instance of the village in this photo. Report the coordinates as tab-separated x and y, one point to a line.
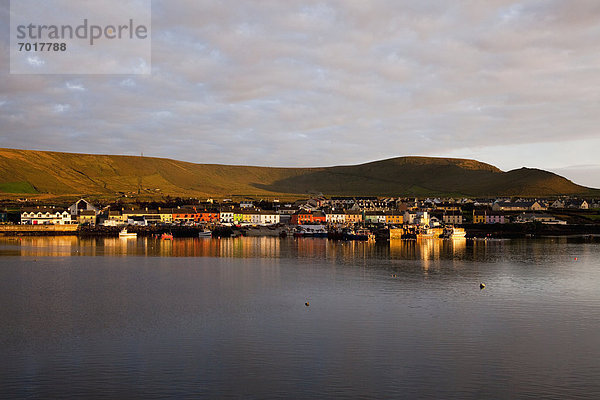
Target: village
359	218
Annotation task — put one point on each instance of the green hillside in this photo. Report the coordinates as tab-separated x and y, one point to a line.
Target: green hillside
25	171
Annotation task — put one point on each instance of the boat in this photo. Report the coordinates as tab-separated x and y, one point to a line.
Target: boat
126	235
205	234
166	236
359	234
317	231
458	233
452	232
300	233
429	233
425	233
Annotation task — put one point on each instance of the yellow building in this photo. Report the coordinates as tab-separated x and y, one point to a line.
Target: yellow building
394	218
479	217
251	216
353	217
117	217
166	215
238	216
86	218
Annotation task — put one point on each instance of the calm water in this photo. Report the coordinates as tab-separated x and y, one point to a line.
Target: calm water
114	318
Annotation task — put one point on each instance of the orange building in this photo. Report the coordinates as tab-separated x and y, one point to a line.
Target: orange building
302	217
208	216
183	215
395	218
319	216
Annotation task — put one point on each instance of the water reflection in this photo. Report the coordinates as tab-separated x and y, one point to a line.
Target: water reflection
427	250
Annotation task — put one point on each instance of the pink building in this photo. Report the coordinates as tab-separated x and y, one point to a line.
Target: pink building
494	218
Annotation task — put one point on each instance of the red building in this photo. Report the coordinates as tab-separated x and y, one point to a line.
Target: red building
308	217
319	216
302	217
208	216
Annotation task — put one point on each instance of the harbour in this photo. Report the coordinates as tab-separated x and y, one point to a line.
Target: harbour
190	317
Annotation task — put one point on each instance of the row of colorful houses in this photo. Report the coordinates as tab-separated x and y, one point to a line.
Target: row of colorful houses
251	216
493	217
340	216
449	204
189	216
320	211
254	216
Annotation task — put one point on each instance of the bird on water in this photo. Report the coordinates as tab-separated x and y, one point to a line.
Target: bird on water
482	285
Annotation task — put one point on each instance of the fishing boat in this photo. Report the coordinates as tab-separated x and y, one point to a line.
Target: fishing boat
126	235
452	232
359	234
458	233
311	231
425	233
205	234
166	236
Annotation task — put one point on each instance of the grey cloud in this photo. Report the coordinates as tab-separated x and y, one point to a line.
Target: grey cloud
323	83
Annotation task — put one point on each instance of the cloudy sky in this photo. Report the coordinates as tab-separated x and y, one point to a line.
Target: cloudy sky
309	83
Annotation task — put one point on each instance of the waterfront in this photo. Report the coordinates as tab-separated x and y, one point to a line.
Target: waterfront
218	318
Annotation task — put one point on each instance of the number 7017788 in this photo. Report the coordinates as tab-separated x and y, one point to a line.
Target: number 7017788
42	46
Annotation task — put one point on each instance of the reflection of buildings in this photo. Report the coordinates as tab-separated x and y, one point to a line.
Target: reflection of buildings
268	247
420	249
194	247
46	246
116	246
427	249
310	247
247	247
347	251
459	246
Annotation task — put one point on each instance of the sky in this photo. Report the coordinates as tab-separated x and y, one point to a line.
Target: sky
315	83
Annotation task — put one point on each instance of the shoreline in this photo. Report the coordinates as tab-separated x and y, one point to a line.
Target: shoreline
474	231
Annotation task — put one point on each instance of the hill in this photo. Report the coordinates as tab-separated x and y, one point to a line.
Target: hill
26	171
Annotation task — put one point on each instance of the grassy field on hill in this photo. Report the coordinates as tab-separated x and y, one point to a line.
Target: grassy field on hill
17	187
25	171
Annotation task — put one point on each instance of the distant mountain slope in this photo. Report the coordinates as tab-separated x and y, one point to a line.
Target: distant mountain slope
25	171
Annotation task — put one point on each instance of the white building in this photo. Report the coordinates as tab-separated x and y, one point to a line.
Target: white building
452	219
518	206
580	204
110	222
543	218
268	218
46	216
343	202
251	217
434	222
136	220
226	217
335	217
416	218
287	210
82	205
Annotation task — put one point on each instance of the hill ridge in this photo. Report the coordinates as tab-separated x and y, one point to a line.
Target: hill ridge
62	173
